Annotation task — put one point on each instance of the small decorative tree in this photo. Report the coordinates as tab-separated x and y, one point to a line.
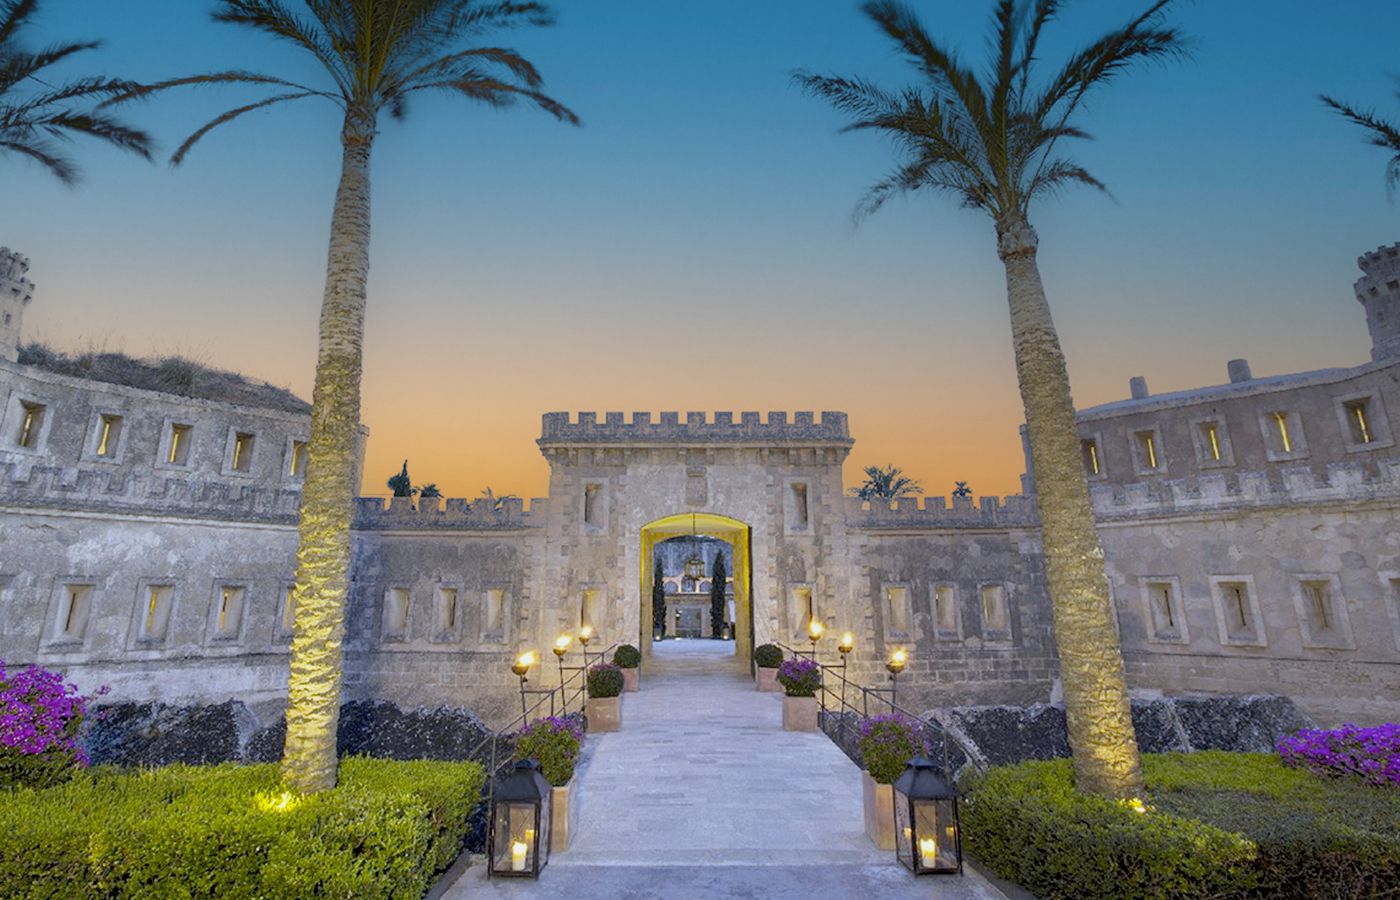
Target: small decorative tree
960	489
428	491
658	601
718	578
888	483
401	484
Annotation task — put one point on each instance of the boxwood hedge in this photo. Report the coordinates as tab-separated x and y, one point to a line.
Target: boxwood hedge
229	831
1217	825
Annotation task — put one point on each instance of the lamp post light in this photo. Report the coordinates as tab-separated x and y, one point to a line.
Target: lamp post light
848	643
520	814
928	836
521	667
815	630
894	665
561	646
585	634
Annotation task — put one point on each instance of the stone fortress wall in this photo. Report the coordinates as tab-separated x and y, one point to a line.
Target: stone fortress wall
167	575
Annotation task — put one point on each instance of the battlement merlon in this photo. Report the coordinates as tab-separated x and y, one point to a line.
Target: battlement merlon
1378	291
697	429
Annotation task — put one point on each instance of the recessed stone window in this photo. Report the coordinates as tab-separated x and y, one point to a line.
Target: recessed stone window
227	623
1365	426
593	506
31	424
1283	435
296	458
287	612
590	608
996	614
153	608
947	618
1212	441
242	453
1089	449
74	608
1163	612
799	511
396	609
176	451
493	615
1237	612
1148	458
896	612
109	433
801	610
447	614
1394	602
1322	612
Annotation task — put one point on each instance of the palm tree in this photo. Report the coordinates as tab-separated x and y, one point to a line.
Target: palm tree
36	120
994	139
376	55
1382	134
888	483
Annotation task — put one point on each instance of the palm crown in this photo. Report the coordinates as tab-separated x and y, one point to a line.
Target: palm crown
34	123
1382	133
993	138
377	54
886	483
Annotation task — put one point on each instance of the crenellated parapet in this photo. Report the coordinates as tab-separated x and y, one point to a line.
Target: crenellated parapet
1378	290
454	514
143	492
1342	483
15	293
696	429
1016	511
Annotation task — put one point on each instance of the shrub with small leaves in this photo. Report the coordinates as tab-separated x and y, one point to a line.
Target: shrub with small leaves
604	680
887	743
627	657
800	677
768	656
553	742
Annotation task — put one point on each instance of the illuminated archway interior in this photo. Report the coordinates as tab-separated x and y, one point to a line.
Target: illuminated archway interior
733	532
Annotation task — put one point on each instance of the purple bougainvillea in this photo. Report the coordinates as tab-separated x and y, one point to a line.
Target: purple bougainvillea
800	677
39	719
1373	753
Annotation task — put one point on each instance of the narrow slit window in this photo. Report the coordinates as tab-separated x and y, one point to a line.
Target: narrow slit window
897	608
945	608
72	620
1147	446
493	622
296	467
1164	618
155	614
396	602
800	610
1210	441
590	608
1359	421
1285	437
1319	605
109	429
995	616
799	499
446	611
31	422
179	452
228	618
592	496
1092	464
1237	613
242	452
289	609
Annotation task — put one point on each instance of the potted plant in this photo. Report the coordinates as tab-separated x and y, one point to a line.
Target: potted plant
887	743
628	658
768	657
555	743
604	706
800	678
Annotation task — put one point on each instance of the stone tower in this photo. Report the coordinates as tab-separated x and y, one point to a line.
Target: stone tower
15	294
1379	291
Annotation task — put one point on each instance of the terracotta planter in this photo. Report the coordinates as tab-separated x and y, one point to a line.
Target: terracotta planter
604	714
879	811
563	815
631	679
799	713
768	680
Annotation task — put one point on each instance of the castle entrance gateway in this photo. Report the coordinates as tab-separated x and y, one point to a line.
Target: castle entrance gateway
733	532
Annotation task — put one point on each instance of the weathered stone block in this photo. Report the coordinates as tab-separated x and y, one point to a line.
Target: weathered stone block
154	734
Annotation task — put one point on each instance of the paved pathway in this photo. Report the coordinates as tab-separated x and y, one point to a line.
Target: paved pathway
702	794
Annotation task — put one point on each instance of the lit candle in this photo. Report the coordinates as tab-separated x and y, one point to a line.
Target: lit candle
517	856
928	851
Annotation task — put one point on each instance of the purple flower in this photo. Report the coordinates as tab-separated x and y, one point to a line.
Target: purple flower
40	714
1371	753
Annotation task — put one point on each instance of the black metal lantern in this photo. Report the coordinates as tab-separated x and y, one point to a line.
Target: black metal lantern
927	835
519	844
695	568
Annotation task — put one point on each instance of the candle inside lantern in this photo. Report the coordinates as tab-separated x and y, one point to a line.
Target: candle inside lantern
517	856
928	852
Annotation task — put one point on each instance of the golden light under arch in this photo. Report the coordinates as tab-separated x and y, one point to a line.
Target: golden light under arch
731	531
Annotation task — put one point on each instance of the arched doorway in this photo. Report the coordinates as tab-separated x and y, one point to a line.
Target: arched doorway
733	532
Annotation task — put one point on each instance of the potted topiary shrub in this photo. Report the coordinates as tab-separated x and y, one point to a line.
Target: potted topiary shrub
628	658
604	706
767	657
555	743
800	679
887	743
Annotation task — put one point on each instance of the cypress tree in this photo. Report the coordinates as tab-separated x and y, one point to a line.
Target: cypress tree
658	601
717	581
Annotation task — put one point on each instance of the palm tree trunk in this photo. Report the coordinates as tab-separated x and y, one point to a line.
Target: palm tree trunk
1100	720
323	549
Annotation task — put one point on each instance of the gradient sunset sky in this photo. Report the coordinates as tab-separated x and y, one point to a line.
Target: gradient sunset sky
692	246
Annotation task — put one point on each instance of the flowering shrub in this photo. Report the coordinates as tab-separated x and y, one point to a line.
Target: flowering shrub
1372	753
604	680
39	720
555	743
800	677
887	743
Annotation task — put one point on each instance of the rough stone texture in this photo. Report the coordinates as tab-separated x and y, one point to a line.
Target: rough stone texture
1242	724
1006	734
154	734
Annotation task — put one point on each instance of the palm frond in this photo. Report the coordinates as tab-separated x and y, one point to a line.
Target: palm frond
44	153
179	155
1380	133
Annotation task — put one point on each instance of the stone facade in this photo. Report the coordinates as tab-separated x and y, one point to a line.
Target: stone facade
147	542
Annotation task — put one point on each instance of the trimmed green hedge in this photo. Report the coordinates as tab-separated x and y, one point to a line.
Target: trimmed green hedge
768	656
1219	825
229	831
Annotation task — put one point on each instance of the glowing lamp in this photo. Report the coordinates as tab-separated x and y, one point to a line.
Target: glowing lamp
523	662
848	643
561	645
815	630
585	634
695	568
519	834
928	835
896	662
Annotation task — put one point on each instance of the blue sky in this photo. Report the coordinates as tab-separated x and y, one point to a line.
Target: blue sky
692	247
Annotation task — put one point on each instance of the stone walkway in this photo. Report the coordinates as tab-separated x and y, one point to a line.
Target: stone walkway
702	794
